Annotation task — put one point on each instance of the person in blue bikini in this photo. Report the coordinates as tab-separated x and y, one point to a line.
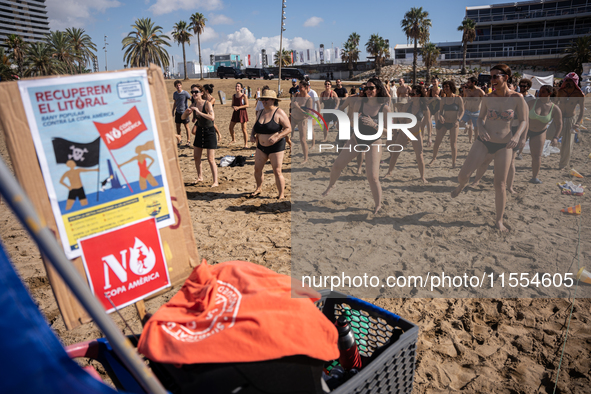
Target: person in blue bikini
450	113
495	139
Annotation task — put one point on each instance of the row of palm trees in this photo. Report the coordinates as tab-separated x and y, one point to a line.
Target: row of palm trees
145	44
62	52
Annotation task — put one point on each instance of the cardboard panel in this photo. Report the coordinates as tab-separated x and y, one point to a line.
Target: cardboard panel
178	241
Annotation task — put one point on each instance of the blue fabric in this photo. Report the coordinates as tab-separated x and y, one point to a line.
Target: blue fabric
32	360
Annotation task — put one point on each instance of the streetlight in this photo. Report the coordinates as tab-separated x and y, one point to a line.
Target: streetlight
283	6
105	48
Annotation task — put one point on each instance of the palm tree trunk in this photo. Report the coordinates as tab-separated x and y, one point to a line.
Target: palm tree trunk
428	78
464	58
200	64
414	64
185	62
350	68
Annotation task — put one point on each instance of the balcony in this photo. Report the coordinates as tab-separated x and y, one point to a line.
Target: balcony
537	34
514	16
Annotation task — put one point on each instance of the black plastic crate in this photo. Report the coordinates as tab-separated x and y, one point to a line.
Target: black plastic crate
388	360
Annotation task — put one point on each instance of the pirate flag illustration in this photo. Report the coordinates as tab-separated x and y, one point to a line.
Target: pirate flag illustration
84	155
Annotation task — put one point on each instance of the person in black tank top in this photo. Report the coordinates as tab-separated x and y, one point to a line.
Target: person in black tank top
269	132
204	130
368	124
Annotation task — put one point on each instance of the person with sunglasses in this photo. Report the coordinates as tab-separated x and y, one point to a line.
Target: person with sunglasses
330	100
205	135
269	132
524	87
240	114
370	108
495	138
448	119
417	105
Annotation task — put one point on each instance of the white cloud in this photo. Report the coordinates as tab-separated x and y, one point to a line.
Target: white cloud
219	19
167	6
75	13
243	42
209	34
313	21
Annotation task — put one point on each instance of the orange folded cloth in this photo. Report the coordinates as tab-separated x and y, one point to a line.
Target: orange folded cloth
237	312
576	210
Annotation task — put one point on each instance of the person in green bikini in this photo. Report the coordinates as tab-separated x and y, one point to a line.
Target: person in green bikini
541	112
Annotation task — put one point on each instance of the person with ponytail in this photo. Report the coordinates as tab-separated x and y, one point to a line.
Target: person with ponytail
142	162
495	138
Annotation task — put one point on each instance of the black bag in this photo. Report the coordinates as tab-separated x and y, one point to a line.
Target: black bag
239	161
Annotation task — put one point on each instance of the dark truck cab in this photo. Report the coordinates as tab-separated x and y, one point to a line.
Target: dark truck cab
258	73
225	71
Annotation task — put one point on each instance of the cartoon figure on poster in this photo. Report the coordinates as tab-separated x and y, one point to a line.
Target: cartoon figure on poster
99	152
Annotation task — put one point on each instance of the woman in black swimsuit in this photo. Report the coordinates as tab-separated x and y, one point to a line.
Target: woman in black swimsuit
369	109
495	139
269	132
417	105
331	101
205	135
451	111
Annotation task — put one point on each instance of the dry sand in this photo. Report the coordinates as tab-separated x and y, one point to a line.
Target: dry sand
469	345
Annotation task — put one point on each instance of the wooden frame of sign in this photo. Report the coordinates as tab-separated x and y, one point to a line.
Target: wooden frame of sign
178	240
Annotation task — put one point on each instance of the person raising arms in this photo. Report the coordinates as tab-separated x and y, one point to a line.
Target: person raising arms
495	138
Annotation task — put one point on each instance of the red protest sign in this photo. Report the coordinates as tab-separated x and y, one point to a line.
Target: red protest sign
121	132
126	264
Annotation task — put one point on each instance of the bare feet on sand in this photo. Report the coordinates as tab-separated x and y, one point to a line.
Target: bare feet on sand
457	191
431	162
327	191
255	193
215	185
510	190
475	183
501	228
424	180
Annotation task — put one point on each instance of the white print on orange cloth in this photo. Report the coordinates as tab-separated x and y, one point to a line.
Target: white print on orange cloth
227	304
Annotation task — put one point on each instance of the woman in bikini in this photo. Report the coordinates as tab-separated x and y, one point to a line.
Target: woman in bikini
417	105
495	139
269	132
451	111
205	135
240	115
331	101
298	115
369	109
142	162
541	112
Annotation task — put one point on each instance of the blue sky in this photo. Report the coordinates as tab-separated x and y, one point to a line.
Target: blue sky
244	27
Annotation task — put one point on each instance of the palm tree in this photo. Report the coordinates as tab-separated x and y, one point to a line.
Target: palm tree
285	58
198	24
468	29
145	45
17	47
61	50
181	35
82	45
6	73
416	26
577	53
377	47
351	52
39	60
430	53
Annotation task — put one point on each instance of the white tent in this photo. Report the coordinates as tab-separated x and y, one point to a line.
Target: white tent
538	82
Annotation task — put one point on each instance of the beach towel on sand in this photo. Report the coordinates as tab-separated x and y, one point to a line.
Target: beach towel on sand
237	312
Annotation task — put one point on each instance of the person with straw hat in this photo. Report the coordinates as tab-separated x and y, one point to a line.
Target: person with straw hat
269	132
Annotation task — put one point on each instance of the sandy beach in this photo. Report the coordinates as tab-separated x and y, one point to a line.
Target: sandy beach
472	345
